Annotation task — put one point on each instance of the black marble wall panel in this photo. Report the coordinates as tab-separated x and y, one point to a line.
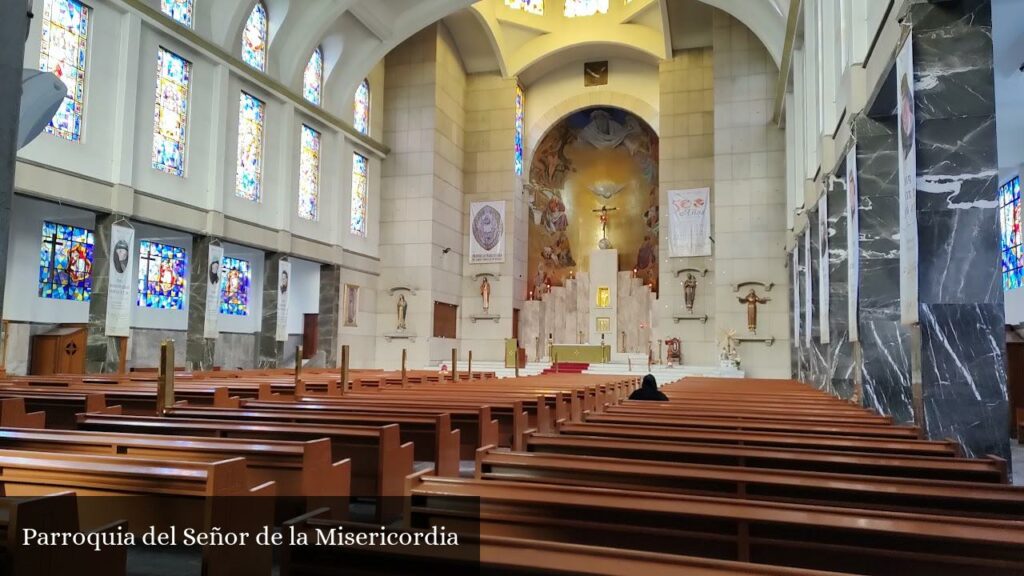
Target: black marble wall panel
199	351
801	292
102	353
818	353
330	313
840	349
794	296
270	352
963	379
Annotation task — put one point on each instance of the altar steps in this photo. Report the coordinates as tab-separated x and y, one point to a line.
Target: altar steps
567	368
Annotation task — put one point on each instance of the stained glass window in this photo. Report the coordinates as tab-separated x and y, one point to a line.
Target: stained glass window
62	50
309	174
65	262
249	176
361	115
313	77
235	276
520	107
254	38
528	6
574	8
360	175
163	276
180	10
171	117
1009	220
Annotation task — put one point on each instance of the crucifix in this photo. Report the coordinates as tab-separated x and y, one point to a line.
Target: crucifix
604	225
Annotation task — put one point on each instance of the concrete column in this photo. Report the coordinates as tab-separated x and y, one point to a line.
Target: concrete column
199	350
270	352
328	321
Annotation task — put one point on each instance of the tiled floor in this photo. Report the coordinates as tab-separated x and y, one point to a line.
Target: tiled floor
1017	459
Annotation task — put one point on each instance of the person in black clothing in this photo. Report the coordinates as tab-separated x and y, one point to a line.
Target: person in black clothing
649	391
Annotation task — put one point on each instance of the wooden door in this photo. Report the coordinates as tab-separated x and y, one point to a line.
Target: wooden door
310	335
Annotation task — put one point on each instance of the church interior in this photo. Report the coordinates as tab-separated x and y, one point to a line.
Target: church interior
511	287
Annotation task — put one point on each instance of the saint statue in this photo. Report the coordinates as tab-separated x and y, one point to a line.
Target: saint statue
752	300
402	307
485	293
689	291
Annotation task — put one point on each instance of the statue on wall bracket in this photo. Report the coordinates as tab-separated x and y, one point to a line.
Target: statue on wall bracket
402	308
752	300
689	291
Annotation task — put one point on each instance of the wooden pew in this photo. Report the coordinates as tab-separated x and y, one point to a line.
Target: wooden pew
160	493
843	490
754	424
796	535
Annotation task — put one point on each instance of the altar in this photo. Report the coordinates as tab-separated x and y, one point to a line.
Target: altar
594	354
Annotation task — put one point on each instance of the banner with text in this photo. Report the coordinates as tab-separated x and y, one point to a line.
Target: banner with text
852	244
284	277
119	288
487	232
907	150
823	282
689	222
213	288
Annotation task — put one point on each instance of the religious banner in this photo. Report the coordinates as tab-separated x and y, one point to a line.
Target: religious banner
213	287
487	232
907	150
852	243
823	282
807	286
689	223
795	265
119	287
284	273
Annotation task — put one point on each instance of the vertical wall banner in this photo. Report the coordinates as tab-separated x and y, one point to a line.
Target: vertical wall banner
795	265
852	244
119	289
213	292
689	223
487	232
807	287
284	278
907	137
823	282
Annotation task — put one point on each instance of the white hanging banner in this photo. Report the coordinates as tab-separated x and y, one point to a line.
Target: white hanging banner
795	265
823	281
906	134
689	222
284	278
807	286
852	244
487	232
213	290
119	288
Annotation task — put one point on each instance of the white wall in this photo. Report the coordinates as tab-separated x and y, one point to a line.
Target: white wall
250	323
303	293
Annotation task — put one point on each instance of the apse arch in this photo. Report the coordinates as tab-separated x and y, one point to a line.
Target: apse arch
541	126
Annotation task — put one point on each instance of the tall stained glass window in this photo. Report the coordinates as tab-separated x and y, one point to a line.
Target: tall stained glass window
62	50
574	8
313	77
235	277
361	114
360	176
309	174
65	262
528	6
254	38
520	108
163	276
180	10
171	117
249	175
1009	223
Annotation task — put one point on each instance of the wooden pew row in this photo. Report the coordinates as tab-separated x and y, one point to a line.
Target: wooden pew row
496	555
298	469
795	535
748	410
751	424
990	469
56	512
159	493
380	461
826	489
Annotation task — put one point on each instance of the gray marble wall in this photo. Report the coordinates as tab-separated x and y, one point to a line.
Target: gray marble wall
144	348
963	378
235	351
328	322
818	354
840	366
804	352
199	351
102	352
884	343
270	353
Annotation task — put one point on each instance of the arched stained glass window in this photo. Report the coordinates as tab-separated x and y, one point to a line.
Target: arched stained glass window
254	38
249	176
180	10
528	6
170	125
360	177
309	174
361	114
520	108
574	8
163	276
62	50
313	77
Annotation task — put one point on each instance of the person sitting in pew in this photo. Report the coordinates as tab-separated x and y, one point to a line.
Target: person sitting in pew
649	391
